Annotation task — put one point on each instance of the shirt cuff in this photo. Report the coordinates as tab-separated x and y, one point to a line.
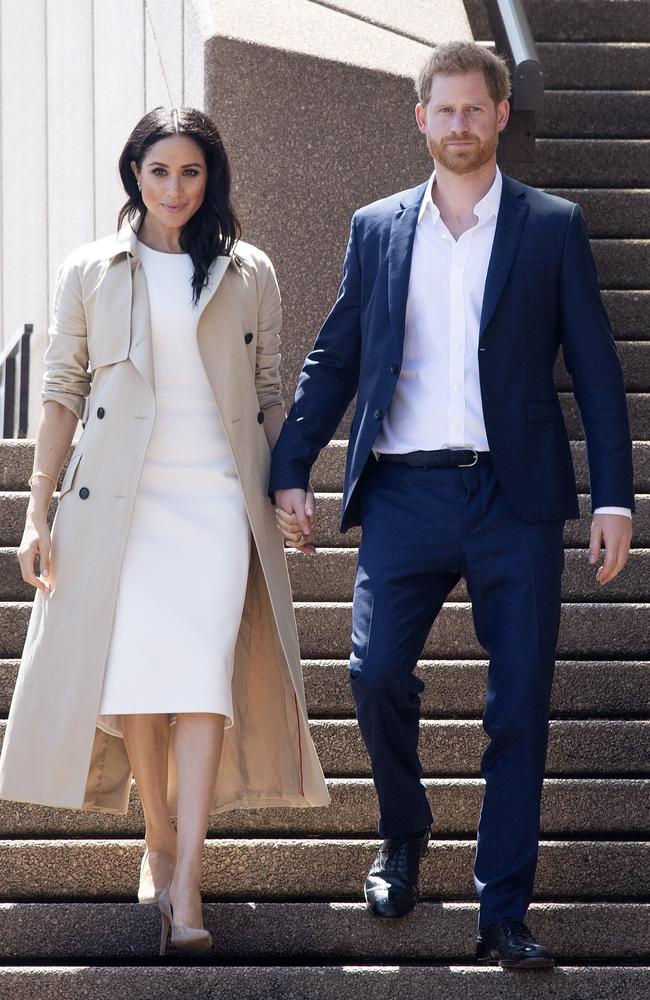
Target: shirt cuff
623	511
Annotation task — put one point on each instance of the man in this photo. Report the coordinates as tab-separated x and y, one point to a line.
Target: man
455	299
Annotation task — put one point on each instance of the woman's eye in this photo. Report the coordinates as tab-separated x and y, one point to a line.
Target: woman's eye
158	171
191	172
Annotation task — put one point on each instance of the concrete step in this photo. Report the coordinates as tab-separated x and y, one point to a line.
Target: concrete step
330	577
629	313
622	263
618	631
595	114
585	807
312	931
638	406
634	356
609	213
452	748
282	982
574	20
594	65
576	533
615	163
329	469
455	689
261	869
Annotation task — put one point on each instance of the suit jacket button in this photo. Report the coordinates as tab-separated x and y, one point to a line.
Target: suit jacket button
260	417
378	414
84	492
248	337
394	369
101	412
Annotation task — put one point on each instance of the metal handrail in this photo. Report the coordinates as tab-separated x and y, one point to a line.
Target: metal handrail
16	350
514	41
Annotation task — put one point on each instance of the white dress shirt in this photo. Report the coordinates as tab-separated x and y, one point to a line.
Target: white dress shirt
437	400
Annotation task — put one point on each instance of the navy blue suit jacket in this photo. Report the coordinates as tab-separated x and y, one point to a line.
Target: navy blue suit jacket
541	292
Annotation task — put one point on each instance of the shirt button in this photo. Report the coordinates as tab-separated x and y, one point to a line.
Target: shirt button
101	412
248	337
456	388
84	492
378	414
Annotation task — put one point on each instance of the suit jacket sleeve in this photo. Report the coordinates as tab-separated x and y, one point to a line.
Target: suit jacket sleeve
327	383
67	378
591	360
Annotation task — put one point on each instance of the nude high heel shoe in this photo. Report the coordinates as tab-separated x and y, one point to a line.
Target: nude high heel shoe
184	938
147	892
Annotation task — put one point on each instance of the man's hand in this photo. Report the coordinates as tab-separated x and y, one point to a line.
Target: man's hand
613	532
295	512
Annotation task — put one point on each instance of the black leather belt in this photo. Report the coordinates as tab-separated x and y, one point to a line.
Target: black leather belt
445	458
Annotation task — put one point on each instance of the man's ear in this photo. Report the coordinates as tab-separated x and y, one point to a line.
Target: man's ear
503	114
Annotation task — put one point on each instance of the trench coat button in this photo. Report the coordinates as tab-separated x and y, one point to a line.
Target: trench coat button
101	412
260	417
394	369
248	337
378	414
84	492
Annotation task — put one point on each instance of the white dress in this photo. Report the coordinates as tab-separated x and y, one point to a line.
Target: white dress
185	568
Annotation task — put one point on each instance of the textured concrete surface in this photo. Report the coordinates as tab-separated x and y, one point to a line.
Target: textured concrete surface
322	983
574	20
623	264
612	213
313	869
453	747
330	577
629	313
587	630
456	688
638	408
581	65
595	114
309	931
597	807
616	163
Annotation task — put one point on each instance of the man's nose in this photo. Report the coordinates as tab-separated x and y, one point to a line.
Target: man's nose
460	121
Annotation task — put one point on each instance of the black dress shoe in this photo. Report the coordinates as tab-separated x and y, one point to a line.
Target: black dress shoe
511	945
391	888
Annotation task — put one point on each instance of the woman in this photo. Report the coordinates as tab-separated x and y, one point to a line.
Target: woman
163	626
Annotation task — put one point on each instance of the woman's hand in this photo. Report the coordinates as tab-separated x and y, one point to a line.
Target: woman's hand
36	543
295	515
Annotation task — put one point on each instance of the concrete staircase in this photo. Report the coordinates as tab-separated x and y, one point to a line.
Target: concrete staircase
283	887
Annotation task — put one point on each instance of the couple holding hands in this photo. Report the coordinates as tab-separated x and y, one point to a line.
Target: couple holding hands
162	643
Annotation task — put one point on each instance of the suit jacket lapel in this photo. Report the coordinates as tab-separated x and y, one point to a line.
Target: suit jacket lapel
510	222
400	251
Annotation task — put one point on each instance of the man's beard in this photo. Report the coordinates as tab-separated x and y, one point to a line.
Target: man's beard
463	161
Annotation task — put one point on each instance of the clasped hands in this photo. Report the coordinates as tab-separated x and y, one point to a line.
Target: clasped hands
295	513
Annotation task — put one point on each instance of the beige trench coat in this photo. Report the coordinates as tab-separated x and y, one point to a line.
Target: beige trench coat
100	355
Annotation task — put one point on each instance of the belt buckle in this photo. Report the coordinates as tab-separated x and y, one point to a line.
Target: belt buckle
470	465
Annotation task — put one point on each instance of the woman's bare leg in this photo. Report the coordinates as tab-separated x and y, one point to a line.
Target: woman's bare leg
146	738
197	745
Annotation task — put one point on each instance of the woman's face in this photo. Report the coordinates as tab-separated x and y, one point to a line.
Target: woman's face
173	177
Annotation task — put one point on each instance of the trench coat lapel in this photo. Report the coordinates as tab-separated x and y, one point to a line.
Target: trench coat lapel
141	350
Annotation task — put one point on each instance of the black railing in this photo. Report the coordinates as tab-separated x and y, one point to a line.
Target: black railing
514	41
14	361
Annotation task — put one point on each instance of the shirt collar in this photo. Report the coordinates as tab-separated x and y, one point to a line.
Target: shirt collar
485	208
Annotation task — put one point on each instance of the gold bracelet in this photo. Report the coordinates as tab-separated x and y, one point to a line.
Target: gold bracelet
45	475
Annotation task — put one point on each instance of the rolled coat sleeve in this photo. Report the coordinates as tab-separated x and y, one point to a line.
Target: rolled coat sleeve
67	378
268	384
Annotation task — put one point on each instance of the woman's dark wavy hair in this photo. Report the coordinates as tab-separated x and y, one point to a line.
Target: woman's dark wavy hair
214	229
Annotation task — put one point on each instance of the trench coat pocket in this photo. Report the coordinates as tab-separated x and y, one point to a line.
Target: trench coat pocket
108	347
70	473
546	409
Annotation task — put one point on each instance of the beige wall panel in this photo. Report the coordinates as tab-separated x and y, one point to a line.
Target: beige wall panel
24	176
427	20
193	56
167	17
119	98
